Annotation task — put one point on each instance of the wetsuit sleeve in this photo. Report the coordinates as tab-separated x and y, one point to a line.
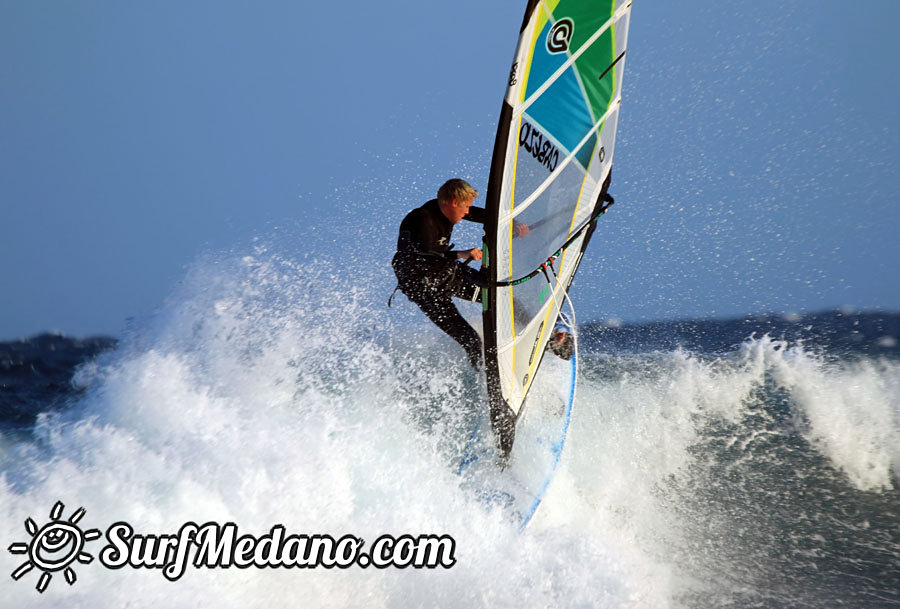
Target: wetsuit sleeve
476	214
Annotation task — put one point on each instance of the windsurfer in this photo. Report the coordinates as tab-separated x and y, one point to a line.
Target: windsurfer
428	268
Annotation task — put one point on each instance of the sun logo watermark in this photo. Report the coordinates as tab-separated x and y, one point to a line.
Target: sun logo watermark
54	547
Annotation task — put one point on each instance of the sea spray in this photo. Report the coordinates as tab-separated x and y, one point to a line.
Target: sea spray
253	397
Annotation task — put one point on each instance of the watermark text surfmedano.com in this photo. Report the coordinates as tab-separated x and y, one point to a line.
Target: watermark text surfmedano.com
213	545
55	548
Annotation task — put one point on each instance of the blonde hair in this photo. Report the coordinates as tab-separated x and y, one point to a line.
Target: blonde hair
456	189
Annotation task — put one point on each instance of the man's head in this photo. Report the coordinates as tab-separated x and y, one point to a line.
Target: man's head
455	198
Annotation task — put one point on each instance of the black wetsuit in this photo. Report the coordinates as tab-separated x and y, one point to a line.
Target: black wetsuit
428	273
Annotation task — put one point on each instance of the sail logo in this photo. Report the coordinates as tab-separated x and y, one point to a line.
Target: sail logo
539	145
560	35
544	295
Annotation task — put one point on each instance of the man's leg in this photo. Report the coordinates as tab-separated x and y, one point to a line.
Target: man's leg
446	316
462	285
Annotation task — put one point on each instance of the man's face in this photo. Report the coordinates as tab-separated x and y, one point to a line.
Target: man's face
459	208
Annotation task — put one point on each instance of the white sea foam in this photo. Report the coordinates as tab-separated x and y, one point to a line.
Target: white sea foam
254	397
851	411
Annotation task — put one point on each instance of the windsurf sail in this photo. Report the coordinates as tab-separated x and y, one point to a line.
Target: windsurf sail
550	171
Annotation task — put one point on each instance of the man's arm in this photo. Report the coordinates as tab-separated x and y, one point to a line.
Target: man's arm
479	215
474	254
476	214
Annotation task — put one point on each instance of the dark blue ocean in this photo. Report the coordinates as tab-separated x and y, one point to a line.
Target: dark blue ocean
745	463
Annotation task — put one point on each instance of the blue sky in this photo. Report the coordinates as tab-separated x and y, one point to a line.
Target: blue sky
756	168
